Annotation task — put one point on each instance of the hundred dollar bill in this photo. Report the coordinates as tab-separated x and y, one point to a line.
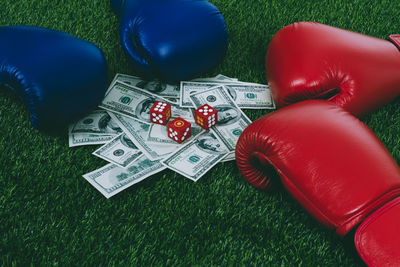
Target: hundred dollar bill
138	131
229	157
84	139
231	120
169	91
224	77
158	134
120	151
111	179
219	77
245	95
155	86
191	87
97	122
136	103
173	100
197	157
251	96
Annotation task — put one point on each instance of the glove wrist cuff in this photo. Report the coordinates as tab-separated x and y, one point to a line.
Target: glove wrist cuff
377	238
395	38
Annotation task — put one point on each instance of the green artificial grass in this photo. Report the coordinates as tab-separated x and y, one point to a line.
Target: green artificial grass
50	215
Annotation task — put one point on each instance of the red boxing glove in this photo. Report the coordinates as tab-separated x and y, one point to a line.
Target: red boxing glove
308	60
334	166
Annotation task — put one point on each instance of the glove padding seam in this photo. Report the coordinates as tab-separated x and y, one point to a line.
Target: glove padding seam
132	46
13	79
369	208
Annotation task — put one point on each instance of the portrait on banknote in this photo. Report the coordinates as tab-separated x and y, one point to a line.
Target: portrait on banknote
143	108
152	86
210	144
127	142
227	114
231	92
108	125
98	122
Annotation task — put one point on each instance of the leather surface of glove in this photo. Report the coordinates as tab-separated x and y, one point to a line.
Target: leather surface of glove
58	76
328	160
335	167
171	40
308	60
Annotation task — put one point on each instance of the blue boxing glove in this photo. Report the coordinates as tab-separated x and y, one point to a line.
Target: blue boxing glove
172	40
58	76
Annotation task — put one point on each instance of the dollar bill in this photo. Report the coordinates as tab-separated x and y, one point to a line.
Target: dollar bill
231	119
224	77
98	122
84	139
155	86
169	91
229	157
219	77
138	131
112	179
191	87
173	100
158	134
197	157
245	95
120	151
136	103
251	96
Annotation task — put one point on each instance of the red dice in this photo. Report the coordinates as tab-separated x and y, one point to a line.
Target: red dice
206	116
179	130
160	112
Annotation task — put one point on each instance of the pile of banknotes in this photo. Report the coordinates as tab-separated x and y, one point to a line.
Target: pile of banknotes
136	149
